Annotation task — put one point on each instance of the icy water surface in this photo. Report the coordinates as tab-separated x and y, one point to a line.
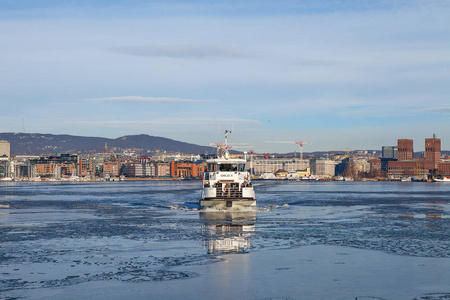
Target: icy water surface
150	240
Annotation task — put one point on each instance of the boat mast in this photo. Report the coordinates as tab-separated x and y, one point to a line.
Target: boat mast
227	155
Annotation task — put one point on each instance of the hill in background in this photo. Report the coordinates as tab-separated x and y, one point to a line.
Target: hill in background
44	144
41	144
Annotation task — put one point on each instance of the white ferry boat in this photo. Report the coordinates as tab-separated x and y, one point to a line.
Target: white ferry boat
227	183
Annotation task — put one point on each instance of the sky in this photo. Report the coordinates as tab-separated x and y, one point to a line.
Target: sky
336	74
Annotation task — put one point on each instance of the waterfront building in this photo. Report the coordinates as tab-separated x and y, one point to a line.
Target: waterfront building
351	167
444	168
96	162
323	167
361	165
433	150
389	152
5	166
58	166
149	169
22	165
110	168
162	169
168	157
299	174
271	165
346	168
417	168
139	169
407	165
55	170
187	169
375	165
385	163
5	148
405	149
378	167
133	170
85	166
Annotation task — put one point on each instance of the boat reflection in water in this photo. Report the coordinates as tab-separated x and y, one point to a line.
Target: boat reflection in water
227	232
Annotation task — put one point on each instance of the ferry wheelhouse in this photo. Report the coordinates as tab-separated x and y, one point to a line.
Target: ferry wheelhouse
226	182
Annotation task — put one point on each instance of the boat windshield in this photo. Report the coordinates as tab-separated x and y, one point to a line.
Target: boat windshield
231	167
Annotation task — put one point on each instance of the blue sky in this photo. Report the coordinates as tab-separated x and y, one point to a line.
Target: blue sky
338	74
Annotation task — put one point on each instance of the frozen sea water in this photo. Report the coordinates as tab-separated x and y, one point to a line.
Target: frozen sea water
305	240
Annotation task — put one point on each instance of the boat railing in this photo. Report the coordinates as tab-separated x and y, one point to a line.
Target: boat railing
231	192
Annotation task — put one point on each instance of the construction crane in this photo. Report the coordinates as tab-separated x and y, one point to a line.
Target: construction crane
301	147
299	143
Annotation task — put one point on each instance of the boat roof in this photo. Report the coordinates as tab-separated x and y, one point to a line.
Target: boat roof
223	160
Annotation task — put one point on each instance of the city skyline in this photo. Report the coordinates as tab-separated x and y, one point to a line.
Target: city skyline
49	144
338	74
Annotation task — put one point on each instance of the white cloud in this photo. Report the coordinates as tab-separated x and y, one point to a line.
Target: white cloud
436	110
146	99
279	142
168	122
188	51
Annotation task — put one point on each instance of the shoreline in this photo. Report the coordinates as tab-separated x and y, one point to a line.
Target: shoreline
199	179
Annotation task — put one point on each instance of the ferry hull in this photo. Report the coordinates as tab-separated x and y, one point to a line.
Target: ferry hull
227	202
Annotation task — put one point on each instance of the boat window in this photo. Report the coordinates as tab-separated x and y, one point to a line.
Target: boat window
241	167
228	167
211	168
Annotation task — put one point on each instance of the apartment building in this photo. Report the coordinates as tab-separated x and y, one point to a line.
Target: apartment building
271	165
